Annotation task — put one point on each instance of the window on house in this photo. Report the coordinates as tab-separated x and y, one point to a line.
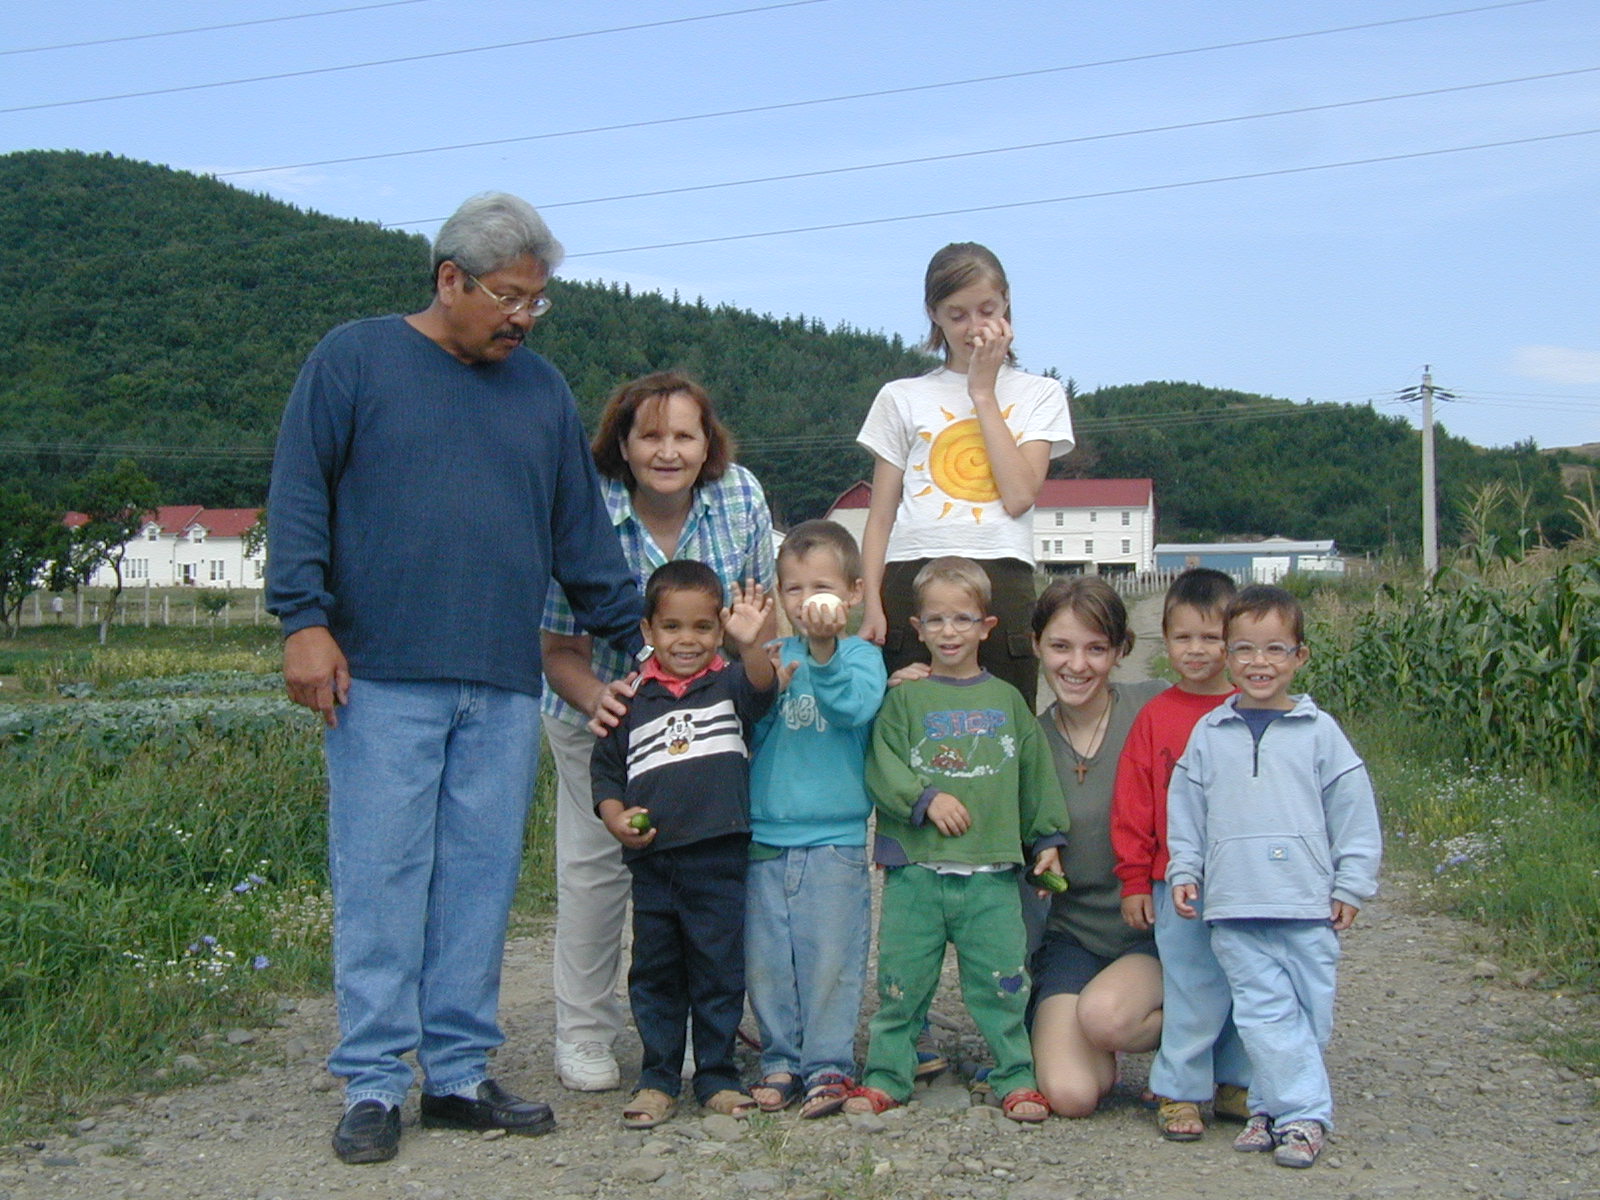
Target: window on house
187	573
197	536
1088	545
1127	517
1127	546
1060	546
136	568
1094	516
219	570
261	567
1061	519
152	533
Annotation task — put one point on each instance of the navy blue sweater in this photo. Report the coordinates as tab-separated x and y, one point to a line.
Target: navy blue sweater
420	505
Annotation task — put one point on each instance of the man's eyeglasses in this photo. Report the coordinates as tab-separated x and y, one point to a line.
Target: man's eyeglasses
960	622
1275	653
536	306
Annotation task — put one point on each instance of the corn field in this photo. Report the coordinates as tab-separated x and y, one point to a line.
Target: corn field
1507	662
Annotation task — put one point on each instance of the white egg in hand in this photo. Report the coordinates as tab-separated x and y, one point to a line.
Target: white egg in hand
827	606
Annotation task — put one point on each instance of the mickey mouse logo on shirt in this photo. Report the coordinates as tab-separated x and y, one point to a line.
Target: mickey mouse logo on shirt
680	733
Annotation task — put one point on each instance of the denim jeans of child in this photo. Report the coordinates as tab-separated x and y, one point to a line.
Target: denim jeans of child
1282	977
807	921
1200	1047
428	788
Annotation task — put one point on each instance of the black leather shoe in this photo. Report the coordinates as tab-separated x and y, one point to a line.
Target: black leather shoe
495	1108
369	1132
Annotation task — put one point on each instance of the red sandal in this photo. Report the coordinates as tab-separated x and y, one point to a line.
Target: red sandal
1019	1096
864	1099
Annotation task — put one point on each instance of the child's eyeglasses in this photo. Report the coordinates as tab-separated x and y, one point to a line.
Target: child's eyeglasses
960	622
1275	653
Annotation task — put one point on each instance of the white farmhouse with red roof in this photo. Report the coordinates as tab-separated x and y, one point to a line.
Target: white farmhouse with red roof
185	545
1106	526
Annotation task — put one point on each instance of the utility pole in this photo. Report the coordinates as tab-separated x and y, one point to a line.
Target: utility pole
1430	497
1430	500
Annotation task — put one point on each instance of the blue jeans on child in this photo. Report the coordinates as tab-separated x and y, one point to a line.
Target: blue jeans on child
688	961
807	922
1200	1047
1281	974
428	788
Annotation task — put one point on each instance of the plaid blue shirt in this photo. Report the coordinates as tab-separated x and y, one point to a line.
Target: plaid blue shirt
728	528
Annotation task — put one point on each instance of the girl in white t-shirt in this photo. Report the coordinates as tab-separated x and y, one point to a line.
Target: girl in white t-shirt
960	455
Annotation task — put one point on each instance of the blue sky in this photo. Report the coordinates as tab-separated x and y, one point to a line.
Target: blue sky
1294	278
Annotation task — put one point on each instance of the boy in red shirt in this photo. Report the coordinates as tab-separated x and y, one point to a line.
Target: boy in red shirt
1201	1056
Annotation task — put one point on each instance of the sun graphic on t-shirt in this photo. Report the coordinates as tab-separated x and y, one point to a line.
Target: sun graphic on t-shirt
958	465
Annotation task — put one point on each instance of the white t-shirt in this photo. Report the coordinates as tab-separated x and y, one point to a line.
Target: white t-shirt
950	503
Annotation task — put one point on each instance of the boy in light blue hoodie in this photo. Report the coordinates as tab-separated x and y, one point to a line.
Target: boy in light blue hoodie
807	914
1270	814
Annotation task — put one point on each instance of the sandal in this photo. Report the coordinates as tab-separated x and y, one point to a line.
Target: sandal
648	1108
781	1091
826	1096
1017	1097
731	1102
1171	1114
863	1099
1231	1103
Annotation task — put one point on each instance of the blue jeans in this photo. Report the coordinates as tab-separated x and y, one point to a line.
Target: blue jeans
1200	1047
807	921
428	788
1282	976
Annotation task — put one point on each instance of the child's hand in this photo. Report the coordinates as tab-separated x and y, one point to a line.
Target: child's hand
1048	859
1344	915
618	820
784	671
1139	912
820	624
991	342
874	625
612	705
949	816
1183	897
916	670
744	619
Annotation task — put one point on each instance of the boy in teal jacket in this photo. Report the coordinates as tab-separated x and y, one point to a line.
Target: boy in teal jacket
962	781
808	897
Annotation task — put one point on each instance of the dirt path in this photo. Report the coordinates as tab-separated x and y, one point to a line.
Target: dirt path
1440	1094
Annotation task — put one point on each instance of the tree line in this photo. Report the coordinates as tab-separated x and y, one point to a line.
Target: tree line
155	315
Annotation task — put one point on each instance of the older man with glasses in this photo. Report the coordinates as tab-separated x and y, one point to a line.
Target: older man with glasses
431	477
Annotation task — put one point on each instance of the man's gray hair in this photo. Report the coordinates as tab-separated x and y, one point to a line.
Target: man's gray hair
490	231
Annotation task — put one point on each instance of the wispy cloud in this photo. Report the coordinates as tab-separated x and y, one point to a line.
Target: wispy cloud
1558	364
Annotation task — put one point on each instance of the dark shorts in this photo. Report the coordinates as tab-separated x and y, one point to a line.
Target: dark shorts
1062	966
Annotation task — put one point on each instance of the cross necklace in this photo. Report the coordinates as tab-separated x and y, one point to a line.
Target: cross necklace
1080	762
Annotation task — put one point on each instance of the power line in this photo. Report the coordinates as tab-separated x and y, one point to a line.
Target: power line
141	37
849	96
437	54
1071	141
1101	195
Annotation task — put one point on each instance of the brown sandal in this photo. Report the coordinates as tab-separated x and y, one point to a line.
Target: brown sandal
826	1096
648	1108
1172	1113
782	1090
730	1102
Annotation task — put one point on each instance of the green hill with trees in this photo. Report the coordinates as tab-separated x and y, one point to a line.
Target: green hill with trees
158	316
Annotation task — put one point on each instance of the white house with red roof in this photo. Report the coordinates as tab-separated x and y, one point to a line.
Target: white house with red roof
185	545
1104	526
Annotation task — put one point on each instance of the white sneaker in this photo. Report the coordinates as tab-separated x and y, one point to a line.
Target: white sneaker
586	1066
